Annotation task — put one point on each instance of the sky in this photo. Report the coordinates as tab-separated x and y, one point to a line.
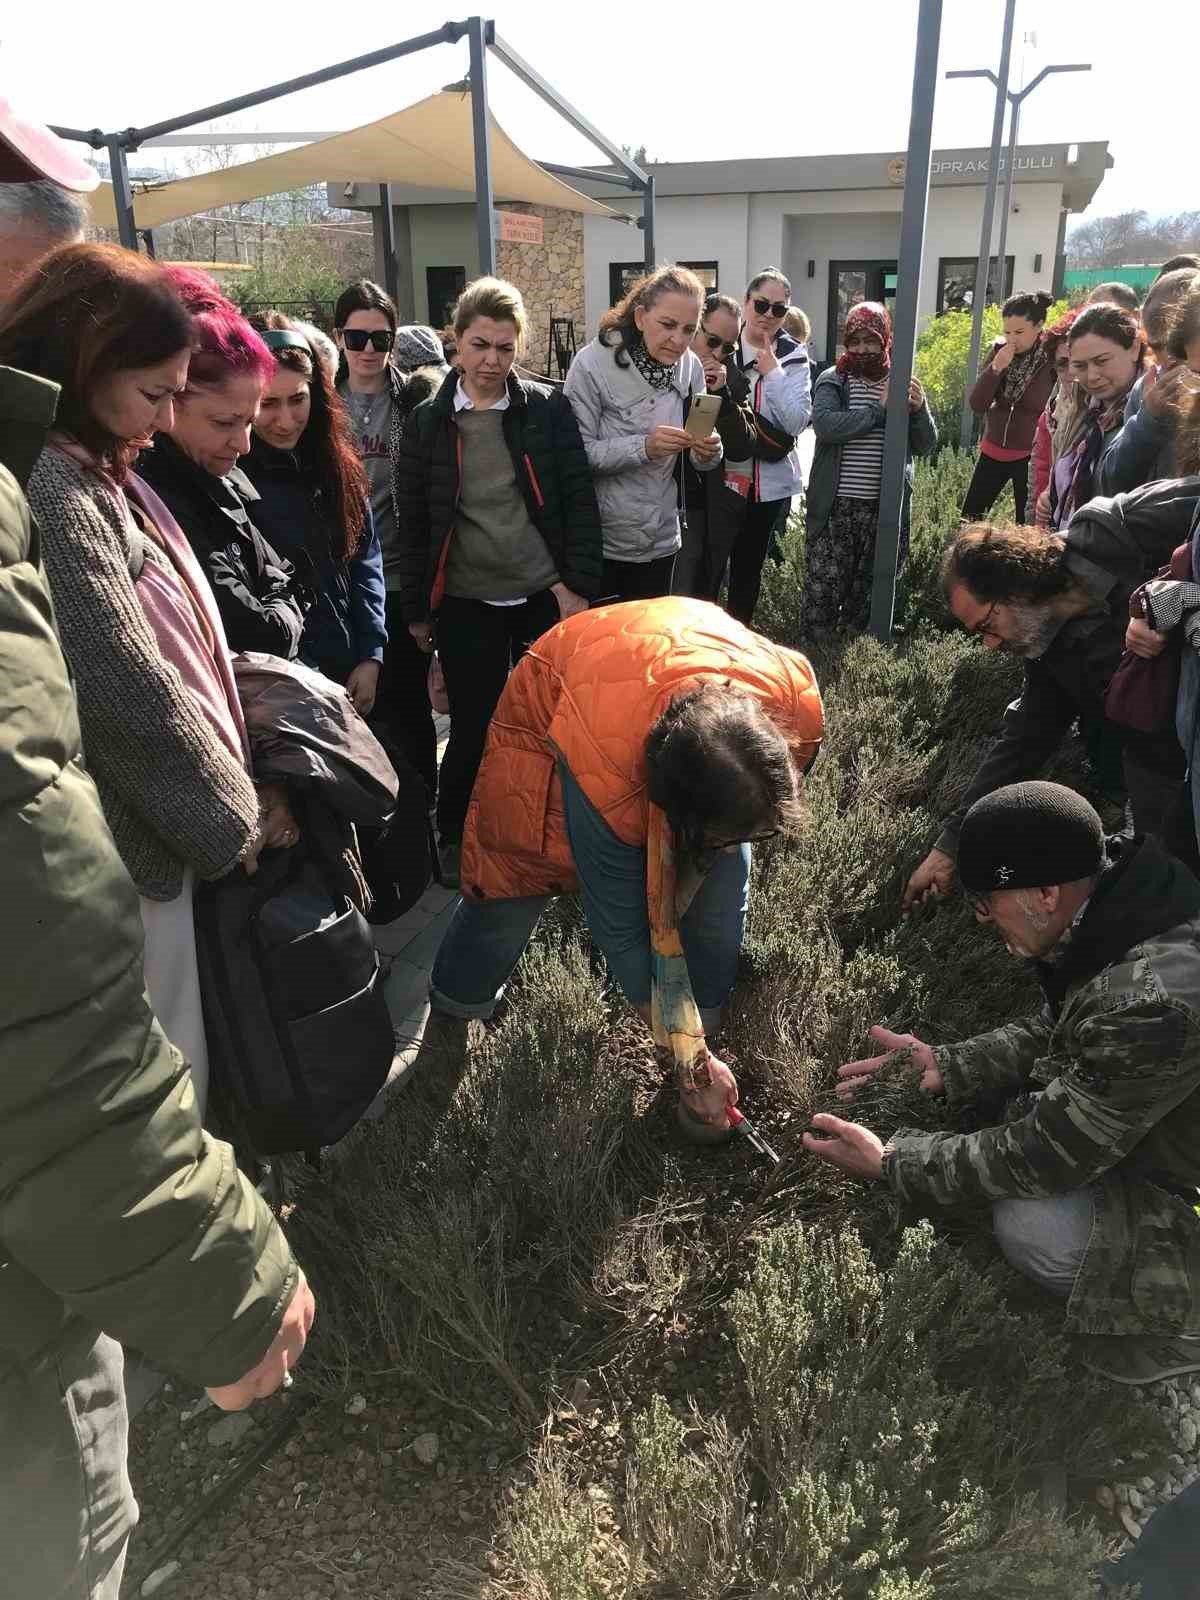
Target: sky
807	79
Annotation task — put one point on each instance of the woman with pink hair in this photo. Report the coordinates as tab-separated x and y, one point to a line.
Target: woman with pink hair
193	467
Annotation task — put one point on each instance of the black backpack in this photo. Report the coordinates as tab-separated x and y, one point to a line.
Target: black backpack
299	1036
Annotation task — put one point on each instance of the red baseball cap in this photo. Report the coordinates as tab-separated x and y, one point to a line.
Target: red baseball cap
29	151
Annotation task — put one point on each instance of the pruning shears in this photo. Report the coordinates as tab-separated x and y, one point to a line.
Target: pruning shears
742	1125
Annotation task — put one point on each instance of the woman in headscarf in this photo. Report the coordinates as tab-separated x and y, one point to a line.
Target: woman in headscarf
1010	394
842	506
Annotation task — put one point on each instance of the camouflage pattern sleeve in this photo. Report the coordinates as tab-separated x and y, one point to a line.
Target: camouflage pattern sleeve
1131	1064
996	1062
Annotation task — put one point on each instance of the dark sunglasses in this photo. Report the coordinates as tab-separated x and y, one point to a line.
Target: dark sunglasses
777	308
715	343
381	339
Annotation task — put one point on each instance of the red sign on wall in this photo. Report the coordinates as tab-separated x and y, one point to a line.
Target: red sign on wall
521	227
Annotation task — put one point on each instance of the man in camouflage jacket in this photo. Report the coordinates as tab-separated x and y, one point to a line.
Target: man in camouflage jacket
1093	1177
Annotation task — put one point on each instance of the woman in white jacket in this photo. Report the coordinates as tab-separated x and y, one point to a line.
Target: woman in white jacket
631	389
781	380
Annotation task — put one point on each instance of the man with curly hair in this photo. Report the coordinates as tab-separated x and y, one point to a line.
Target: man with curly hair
1060	602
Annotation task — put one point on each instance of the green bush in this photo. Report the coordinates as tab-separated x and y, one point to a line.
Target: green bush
939	488
801	1396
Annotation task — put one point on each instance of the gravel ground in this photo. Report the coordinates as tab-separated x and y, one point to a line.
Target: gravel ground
347	1506
1133	1503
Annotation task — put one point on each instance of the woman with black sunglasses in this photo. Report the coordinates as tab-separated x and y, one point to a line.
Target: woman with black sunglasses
776	367
375	354
715	502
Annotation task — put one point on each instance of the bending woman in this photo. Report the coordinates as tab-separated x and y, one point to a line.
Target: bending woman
1010	394
636	753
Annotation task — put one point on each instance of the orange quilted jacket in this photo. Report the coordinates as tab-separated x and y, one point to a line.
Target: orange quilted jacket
588	692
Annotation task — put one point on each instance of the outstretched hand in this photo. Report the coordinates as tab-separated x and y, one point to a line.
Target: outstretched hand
932	880
846	1145
854	1074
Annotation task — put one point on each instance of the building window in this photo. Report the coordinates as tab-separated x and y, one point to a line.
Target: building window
622	275
849	283
956	283
706	271
443	285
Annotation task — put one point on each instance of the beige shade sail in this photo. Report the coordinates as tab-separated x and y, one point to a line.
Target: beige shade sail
428	145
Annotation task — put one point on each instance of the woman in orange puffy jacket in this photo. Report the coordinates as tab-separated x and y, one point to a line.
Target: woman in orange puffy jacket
636	753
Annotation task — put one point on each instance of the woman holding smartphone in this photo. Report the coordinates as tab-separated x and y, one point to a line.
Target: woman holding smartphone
776	366
631	389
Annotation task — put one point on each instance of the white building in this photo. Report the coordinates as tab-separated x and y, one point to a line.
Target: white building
832	223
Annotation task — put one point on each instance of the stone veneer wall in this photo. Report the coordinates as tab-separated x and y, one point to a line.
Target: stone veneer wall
549	276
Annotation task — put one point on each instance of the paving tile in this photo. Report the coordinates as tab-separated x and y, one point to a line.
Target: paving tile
436	898
391	937
422	950
405	987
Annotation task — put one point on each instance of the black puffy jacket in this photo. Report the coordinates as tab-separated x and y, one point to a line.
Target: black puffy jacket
262	597
553	476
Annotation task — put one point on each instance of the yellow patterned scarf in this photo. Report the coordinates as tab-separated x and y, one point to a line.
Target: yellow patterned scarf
674	1015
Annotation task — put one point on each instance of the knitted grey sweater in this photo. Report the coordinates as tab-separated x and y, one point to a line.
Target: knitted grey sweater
173	793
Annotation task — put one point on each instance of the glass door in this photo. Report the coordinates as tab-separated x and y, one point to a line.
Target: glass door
850	282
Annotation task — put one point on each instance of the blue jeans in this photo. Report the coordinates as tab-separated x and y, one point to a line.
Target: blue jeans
1047	1239
486	939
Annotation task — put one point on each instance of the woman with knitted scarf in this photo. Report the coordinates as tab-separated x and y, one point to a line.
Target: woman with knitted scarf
842	503
1108	352
1010	394
163	731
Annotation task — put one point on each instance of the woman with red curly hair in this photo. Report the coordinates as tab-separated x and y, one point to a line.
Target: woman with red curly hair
162	726
193	466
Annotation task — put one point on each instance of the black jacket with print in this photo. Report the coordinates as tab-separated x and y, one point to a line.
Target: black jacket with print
262	598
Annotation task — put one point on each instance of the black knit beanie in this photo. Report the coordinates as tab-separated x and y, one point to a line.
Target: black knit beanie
1029	836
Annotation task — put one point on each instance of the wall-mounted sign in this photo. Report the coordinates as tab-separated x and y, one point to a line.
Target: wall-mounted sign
521	227
897	167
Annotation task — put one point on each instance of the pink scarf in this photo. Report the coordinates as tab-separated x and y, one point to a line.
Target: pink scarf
177	603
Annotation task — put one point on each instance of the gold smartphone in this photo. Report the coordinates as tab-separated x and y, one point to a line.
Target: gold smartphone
702	417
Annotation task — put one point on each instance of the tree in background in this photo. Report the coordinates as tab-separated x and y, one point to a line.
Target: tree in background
301	251
1132	237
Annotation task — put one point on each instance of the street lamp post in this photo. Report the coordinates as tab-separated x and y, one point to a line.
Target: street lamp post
983	264
1015	98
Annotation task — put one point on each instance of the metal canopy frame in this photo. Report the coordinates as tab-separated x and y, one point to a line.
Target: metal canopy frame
481	36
